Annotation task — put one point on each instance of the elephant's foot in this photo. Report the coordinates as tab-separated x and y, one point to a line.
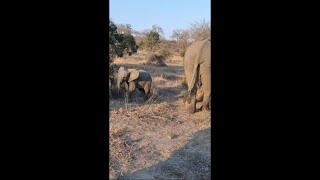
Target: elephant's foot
205	108
191	107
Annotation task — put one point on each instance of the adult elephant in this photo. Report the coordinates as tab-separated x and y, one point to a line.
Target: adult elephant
197	67
132	80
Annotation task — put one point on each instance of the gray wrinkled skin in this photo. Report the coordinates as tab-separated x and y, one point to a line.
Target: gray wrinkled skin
142	83
197	67
113	70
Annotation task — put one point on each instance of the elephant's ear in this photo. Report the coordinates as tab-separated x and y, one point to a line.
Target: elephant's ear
133	75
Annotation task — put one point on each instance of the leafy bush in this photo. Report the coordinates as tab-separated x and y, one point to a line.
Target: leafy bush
156	59
152	40
128	44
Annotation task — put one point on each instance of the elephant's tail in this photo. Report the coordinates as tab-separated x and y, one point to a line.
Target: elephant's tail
191	84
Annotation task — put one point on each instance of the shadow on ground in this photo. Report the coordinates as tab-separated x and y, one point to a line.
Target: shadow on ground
193	161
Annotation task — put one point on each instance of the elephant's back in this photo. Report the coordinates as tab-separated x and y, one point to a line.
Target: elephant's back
196	48
144	76
193	52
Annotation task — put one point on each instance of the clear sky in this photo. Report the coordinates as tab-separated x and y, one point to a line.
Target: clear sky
168	14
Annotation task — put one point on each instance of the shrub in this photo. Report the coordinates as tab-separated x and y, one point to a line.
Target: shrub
152	40
156	59
121	42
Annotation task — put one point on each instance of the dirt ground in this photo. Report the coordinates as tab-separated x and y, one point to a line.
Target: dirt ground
157	139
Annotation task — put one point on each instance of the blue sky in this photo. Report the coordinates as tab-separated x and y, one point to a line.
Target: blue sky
168	14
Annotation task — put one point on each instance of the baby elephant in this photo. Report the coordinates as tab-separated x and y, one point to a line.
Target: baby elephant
132	79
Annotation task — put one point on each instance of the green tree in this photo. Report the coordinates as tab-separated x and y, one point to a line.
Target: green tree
121	40
152	40
129	44
115	40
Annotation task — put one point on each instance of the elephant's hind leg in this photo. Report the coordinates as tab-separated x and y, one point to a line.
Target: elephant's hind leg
143	93
206	98
147	90
206	101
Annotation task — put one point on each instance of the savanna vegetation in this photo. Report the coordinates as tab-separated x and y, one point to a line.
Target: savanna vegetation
123	40
157	138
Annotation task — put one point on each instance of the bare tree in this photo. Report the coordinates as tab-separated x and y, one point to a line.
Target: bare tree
182	38
200	30
176	34
158	29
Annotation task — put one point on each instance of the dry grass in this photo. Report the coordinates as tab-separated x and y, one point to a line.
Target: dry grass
151	139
